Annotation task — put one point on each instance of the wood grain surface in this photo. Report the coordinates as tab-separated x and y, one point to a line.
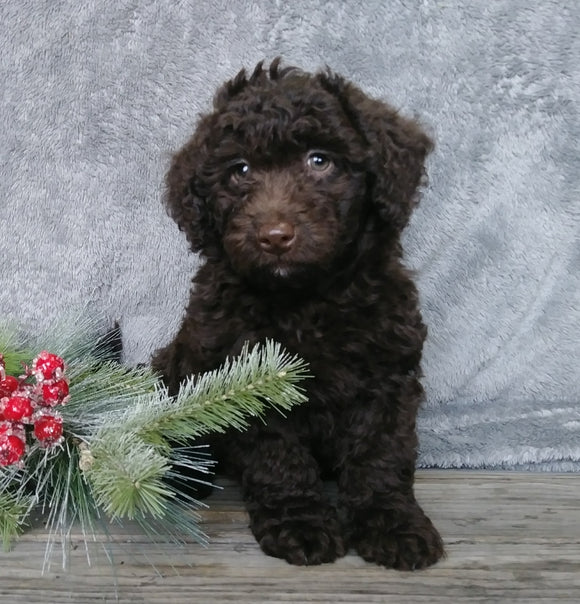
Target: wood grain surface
510	537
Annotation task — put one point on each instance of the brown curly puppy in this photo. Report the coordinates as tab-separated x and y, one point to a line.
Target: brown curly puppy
295	190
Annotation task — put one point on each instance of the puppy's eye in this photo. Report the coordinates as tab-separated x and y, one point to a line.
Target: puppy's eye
319	162
239	170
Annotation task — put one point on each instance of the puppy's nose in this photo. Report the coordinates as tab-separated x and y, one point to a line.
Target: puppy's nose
276	238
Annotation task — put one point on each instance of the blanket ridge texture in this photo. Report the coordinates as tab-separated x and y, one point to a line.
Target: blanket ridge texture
97	95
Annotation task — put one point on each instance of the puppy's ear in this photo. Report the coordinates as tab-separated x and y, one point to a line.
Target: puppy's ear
185	202
397	149
186	180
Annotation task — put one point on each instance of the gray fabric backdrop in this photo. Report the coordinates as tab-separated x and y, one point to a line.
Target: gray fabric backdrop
97	94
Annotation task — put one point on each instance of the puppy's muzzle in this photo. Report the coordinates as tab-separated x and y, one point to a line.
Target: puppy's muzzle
277	238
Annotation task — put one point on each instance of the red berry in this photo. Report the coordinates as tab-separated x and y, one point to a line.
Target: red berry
54	393
17	408
11	449
48	429
48	366
8	385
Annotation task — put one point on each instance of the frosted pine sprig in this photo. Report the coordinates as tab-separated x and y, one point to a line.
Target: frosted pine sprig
119	430
130	451
246	386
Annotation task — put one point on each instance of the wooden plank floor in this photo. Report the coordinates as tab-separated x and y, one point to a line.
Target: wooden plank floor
510	537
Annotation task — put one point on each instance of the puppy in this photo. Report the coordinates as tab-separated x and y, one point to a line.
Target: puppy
295	190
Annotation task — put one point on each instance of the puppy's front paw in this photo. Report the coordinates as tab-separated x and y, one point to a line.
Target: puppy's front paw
304	539
410	543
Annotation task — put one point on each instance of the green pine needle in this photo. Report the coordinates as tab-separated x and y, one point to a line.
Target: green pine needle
13	512
13	350
127	477
99	388
179	523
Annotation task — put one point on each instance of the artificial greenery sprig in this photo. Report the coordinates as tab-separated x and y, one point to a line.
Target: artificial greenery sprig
124	436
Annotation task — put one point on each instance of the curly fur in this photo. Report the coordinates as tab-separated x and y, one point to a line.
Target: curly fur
295	190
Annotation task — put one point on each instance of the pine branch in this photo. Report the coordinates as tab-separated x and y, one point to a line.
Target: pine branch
77	336
244	387
127	477
101	388
131	454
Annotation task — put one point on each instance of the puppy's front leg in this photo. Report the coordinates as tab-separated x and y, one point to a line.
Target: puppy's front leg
386	525
290	515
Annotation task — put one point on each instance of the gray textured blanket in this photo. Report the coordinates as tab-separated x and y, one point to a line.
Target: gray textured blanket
96	95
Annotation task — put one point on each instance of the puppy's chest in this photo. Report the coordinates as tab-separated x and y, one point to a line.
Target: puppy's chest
317	332
297	327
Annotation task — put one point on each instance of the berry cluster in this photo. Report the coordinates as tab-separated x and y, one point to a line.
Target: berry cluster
30	401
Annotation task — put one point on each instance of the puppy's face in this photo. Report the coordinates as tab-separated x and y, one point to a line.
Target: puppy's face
285	184
293	174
